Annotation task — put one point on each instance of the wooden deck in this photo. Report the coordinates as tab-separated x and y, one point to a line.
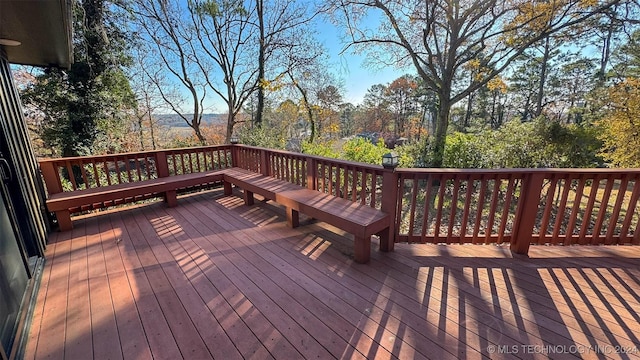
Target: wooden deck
213	278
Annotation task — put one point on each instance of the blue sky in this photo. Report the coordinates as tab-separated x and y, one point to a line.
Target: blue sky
352	69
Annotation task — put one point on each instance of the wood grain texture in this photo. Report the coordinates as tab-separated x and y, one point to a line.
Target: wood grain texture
214	278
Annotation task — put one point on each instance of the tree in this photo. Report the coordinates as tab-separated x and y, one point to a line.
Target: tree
621	127
163	27
438	37
283	31
92	98
376	105
328	105
401	94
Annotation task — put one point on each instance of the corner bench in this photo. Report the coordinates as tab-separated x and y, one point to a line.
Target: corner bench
360	220
62	203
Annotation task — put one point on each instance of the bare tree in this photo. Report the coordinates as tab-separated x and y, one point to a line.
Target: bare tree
283	27
439	37
169	39
225	44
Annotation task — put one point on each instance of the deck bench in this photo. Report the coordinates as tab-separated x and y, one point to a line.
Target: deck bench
360	220
62	203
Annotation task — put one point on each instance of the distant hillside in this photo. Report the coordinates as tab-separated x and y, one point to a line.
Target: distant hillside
173	120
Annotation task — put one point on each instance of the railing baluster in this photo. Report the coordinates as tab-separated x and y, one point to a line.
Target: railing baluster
631	210
454	208
137	162
412	212
575	211
107	171
476	227
363	190
506	210
443	185
492	209
354	183
546	215
84	174
72	176
427	207
561	209
127	167
613	221
374	189
467	207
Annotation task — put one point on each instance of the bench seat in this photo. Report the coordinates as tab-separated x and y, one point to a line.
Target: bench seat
62	203
360	220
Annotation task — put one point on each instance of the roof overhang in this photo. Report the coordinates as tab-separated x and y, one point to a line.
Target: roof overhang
43	28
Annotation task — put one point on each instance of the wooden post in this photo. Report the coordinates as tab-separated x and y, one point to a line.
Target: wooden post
362	249
293	218
312	169
162	166
526	212
64	220
389	204
264	163
234	155
248	197
51	177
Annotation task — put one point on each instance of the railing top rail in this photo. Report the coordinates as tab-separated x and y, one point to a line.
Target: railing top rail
417	171
580	171
134	153
321	158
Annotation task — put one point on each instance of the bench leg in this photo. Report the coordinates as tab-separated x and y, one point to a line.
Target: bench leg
227	188
171	198
64	220
362	249
386	240
293	218
248	198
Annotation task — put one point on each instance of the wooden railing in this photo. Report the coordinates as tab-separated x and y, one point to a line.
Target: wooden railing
349	180
516	206
87	172
519	206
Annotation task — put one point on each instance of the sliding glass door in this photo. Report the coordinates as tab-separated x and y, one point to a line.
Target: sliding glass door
14	274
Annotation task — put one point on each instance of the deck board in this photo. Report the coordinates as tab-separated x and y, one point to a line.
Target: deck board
213	278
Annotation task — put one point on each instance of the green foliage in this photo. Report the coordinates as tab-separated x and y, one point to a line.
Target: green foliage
91	100
318	148
262	136
462	151
414	154
362	150
620	128
541	143
359	150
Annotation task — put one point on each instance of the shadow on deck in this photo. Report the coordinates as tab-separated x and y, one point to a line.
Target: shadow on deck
213	278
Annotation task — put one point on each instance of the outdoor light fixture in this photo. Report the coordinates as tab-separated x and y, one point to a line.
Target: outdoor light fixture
390	160
9	42
234	139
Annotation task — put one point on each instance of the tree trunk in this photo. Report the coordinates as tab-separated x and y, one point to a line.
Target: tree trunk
467	115
305	101
261	52
440	136
543	77
231	122
140	130
606	54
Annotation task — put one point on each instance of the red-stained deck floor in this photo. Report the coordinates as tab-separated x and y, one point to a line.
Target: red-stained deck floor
213	278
